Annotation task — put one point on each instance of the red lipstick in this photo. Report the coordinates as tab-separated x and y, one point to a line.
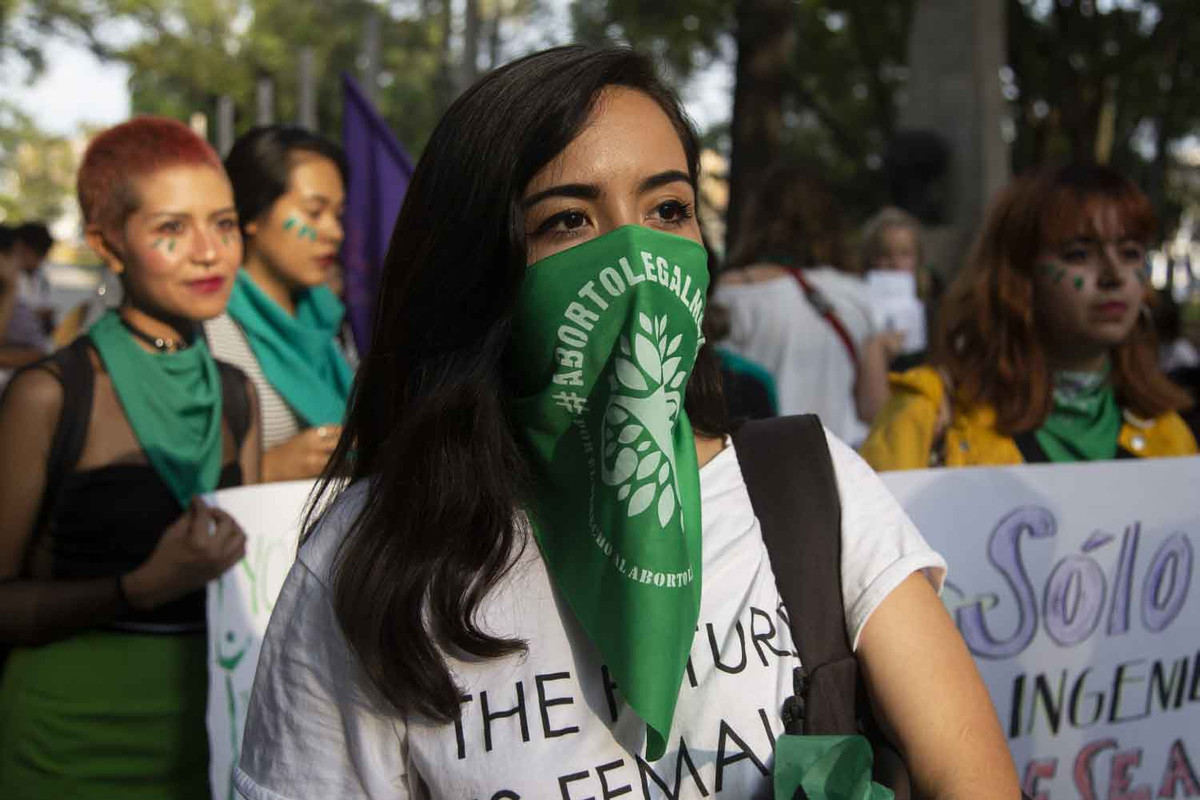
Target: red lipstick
207	285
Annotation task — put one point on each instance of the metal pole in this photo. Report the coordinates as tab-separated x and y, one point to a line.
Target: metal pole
307	106
265	101
370	60
225	110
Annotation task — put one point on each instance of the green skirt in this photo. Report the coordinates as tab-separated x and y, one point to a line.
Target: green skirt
106	715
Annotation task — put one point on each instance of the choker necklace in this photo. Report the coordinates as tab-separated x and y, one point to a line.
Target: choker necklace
157	342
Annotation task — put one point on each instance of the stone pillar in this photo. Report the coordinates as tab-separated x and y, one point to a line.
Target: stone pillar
956	49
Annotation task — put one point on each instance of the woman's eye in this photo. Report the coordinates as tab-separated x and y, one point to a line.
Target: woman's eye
674	211
563	222
173	228
1076	256
1133	254
228	225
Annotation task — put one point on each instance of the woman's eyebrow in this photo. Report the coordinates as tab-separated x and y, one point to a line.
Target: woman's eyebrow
663	178
585	191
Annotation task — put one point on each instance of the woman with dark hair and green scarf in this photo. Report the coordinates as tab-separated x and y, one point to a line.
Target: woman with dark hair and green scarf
105	448
284	326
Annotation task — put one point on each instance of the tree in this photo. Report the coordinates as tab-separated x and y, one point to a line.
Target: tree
185	53
37	170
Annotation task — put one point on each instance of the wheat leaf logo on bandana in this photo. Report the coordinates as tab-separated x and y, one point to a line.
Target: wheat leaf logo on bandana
638	454
605	335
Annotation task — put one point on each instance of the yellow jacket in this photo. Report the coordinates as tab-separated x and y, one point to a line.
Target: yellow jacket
903	433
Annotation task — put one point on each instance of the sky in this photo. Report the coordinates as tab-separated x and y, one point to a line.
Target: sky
77	88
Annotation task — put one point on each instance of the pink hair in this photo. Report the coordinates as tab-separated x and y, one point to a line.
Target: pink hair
133	149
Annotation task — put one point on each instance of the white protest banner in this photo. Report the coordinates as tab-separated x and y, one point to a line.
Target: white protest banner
239	606
1072	586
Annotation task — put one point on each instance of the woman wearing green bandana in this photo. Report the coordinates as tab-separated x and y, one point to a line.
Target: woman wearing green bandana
105	548
284	326
546	578
1047	350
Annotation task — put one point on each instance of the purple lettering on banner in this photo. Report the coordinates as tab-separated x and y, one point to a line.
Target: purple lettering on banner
1171	564
1118	612
1004	552
1074	600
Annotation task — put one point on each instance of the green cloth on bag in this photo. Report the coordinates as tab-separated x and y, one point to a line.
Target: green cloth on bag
298	355
827	768
604	337
172	402
1085	421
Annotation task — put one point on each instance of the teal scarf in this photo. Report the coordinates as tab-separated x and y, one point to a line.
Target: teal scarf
298	355
1085	420
173	403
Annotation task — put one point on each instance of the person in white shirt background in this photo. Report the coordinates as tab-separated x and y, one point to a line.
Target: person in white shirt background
797	308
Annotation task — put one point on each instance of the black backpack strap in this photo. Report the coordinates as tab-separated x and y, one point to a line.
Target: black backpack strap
235	401
73	369
789	476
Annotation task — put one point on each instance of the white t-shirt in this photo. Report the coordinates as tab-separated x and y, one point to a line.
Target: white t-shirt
774	324
549	723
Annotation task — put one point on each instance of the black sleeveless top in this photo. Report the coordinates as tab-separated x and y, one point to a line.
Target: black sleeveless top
107	521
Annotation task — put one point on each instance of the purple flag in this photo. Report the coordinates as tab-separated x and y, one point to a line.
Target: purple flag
378	174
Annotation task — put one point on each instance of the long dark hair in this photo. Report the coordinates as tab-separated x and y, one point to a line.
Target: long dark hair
427	424
261	160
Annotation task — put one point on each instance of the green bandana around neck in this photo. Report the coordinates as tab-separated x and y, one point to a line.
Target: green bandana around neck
298	355
1085	420
605	335
172	402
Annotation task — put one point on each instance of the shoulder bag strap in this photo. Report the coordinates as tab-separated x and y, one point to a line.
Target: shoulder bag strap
789	476
825	308
78	379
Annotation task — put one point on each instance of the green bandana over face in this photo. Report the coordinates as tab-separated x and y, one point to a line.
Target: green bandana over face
605	335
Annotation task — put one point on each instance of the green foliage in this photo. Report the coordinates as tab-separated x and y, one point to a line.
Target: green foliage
37	171
183	54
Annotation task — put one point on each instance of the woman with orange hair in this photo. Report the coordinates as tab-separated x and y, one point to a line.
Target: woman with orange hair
105	548
1046	351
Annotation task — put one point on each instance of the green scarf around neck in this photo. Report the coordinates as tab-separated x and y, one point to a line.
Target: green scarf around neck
298	355
1085	420
172	402
605	335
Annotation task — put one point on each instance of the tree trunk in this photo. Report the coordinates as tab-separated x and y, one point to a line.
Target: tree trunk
766	40
472	32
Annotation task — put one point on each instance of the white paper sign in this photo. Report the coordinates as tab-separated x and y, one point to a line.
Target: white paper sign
896	307
239	606
1072	587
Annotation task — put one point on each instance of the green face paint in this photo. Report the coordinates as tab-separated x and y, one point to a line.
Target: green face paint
157	244
1078	283
290	223
605	336
170	245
